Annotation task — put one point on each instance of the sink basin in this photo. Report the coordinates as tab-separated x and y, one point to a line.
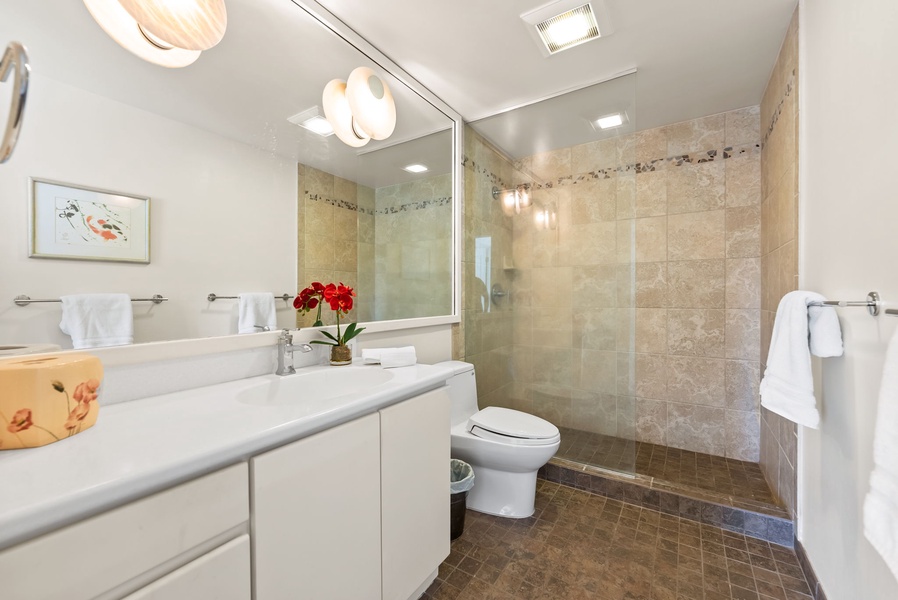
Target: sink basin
319	385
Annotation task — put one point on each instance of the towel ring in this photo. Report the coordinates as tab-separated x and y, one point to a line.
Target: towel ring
15	57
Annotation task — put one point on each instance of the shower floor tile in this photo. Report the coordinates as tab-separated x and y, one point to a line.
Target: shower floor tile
670	468
579	545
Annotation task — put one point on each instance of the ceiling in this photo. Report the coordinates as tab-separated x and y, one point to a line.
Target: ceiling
694	57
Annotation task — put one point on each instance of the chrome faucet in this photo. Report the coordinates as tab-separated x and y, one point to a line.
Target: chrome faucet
285	349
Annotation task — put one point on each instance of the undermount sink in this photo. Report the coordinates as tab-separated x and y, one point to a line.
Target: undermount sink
321	384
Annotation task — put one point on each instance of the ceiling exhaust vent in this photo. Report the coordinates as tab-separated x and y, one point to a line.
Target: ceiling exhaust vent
567	23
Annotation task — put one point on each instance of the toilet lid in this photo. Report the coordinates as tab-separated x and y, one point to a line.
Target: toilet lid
512	426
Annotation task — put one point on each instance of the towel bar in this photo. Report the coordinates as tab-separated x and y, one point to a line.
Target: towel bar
872	303
213	297
892	312
24	300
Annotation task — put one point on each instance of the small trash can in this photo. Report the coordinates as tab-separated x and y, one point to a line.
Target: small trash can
461	479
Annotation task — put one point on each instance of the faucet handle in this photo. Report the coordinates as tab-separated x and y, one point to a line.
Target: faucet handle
286	336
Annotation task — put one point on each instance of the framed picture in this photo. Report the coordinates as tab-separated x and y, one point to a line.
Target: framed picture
79	223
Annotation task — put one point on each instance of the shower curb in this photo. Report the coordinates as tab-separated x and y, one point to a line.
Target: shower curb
760	522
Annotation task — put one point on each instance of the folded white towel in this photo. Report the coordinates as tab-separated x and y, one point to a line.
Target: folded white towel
881	504
98	320
788	385
256	309
390	357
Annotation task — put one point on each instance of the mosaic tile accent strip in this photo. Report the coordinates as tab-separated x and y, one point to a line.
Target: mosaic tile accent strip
751	521
407	207
338	203
580	546
779	108
469	164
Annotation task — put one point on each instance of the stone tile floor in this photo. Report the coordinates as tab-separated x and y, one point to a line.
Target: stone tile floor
678	468
579	545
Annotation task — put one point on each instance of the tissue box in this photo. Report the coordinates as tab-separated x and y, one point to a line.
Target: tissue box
47	398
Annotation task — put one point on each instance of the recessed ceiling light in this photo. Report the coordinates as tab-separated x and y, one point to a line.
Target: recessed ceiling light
416	168
312	120
567	23
610	121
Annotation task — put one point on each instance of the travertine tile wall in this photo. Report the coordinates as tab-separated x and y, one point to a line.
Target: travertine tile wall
640	314
779	245
484	336
333	217
413	249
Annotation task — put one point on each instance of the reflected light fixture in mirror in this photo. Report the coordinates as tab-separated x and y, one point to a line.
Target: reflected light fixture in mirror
312	120
111	16
187	24
513	201
545	218
361	108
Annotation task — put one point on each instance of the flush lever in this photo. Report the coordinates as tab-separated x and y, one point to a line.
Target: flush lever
15	58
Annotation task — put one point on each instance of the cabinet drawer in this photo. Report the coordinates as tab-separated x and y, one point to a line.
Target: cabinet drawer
100	553
222	574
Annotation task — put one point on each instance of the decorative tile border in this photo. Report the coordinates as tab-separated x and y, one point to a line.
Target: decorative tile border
468	163
790	85
635	490
809	574
408	207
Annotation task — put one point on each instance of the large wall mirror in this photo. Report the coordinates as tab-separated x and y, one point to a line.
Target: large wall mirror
241	198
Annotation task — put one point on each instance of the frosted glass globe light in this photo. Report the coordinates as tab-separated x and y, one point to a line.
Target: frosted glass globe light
340	116
371	103
187	24
121	27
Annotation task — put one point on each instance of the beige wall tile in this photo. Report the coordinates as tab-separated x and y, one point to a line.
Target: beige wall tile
651	285
594	329
651	331
695	380
743	435
553	328
743	334
592	244
555	366
743	378
743	283
319	252
551	166
626	285
626	195
651	421
626	240
743	226
651	239
552	404
698	428
651	144
594	412
743	126
594	200
706	133
651	193
696	236
346	255
594	156
546	284
651	376
319	218
593	286
346	224
697	283
743	180
696	187
595	370
696	332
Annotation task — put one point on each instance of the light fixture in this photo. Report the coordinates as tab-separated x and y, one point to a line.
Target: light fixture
564	24
187	24
312	120
121	27
415	168
545	218
610	121
513	201
361	108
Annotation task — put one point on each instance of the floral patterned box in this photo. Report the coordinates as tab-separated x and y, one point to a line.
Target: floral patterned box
47	398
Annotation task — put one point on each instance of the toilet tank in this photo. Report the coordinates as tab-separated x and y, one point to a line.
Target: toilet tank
462	391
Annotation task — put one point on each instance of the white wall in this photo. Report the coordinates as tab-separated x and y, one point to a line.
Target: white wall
849	246
223	217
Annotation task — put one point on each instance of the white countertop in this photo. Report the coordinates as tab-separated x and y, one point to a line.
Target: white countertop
141	447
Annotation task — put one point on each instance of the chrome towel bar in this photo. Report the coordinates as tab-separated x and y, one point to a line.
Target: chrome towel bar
872	303
25	300
213	297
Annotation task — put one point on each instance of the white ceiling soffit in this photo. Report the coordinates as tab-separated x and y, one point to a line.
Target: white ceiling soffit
694	58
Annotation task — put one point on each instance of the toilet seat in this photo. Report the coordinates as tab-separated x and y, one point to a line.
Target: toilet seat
512	427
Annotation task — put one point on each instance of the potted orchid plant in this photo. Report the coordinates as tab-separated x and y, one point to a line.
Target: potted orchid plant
339	298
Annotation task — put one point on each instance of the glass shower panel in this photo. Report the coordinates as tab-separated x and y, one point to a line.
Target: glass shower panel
569	203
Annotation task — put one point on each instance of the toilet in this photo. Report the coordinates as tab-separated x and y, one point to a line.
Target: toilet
505	448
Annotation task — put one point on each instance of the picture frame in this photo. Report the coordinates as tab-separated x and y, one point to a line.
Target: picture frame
74	222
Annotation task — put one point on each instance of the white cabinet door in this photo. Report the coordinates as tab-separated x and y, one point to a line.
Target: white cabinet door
222	574
316	516
415	491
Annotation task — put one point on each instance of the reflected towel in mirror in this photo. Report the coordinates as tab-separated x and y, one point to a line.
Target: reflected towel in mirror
97	320
256	310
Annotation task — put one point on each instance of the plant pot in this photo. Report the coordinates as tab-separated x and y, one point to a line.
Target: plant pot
341	355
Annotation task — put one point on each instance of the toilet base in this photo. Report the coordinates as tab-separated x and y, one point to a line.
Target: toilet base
503	494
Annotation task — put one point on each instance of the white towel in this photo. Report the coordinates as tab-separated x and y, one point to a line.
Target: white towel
881	504
256	309
390	357
788	385
98	320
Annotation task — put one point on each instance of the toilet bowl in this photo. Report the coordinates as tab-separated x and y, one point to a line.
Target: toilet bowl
505	447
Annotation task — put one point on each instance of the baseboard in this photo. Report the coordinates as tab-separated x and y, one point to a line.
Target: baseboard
809	574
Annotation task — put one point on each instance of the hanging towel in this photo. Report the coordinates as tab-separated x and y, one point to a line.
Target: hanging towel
881	504
256	309
98	320
788	385
390	357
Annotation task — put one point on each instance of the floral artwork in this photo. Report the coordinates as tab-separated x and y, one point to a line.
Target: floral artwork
84	223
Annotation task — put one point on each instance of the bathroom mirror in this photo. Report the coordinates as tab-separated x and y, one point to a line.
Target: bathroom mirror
242	199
